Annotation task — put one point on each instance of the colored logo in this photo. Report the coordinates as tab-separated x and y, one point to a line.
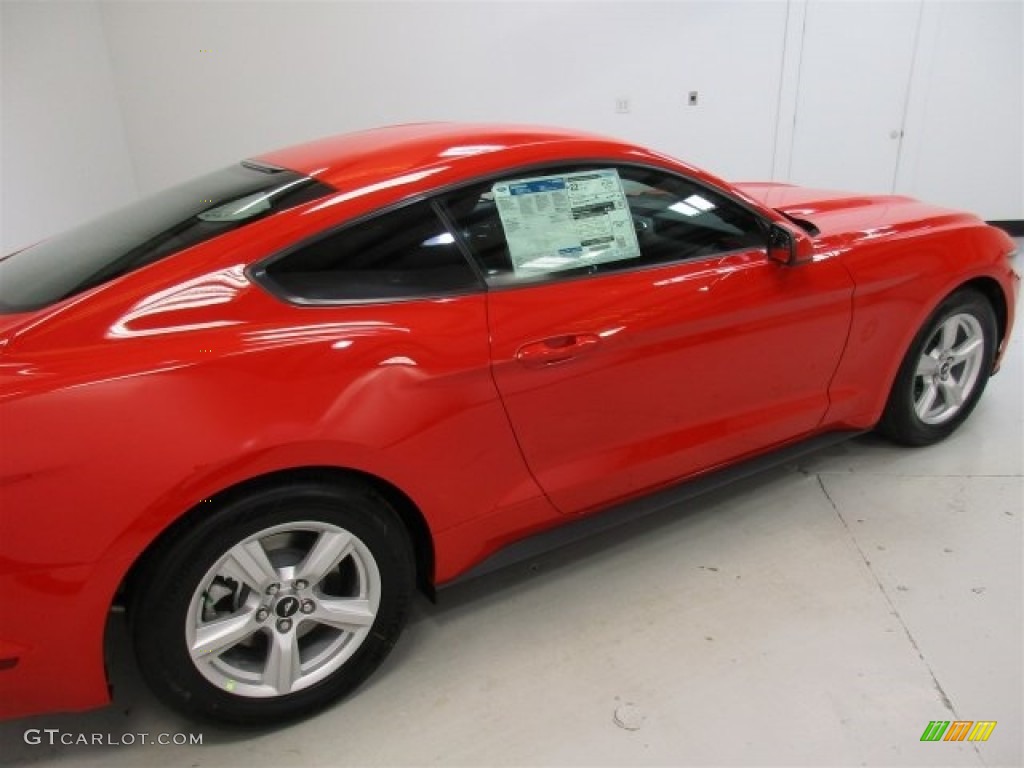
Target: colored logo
958	730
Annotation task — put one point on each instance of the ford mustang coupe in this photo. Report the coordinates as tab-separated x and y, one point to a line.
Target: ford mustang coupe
261	408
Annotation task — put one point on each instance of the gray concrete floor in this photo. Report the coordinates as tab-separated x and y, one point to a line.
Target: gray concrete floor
819	614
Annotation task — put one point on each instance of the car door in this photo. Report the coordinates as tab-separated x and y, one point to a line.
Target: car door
639	333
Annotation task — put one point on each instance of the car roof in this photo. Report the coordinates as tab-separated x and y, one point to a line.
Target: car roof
346	160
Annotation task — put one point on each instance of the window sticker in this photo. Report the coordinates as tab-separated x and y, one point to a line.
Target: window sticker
565	221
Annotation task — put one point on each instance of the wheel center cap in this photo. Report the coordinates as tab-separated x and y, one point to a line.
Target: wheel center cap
944	370
287	607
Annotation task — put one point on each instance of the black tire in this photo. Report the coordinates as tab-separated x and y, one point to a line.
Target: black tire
908	418
177	601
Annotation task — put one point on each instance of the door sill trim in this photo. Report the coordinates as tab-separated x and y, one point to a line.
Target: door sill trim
571	532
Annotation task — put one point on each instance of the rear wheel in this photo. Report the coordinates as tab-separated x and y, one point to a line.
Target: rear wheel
944	373
276	605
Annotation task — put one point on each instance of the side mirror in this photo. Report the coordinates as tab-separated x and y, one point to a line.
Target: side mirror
786	246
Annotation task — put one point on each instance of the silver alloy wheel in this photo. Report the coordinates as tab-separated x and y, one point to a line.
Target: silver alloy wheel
283	609
948	369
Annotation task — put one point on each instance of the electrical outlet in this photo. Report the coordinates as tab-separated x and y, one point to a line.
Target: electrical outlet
622	105
692	99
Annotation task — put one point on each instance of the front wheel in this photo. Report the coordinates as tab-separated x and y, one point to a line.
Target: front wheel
275	605
944	373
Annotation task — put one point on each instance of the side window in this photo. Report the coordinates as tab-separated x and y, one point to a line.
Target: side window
679	219
563	223
407	253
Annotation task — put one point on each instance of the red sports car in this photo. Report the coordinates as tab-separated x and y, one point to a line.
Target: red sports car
260	408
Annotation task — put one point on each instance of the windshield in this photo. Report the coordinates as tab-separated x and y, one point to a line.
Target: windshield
147	231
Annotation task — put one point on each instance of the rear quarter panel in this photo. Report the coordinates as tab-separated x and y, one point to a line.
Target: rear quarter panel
141	429
108	443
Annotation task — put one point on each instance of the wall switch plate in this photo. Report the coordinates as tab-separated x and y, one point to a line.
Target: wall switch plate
692	99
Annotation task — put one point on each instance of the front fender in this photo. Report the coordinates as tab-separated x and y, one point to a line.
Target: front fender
899	284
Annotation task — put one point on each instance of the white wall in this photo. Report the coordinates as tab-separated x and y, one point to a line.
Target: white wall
103	100
277	73
63	155
920	97
965	115
851	98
